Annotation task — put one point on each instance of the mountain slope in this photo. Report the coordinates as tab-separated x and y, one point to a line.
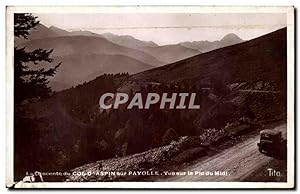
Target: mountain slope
69	45
84	58
39	32
79	68
170	53
166	54
128	41
206	46
84	33
263	58
230	39
59	31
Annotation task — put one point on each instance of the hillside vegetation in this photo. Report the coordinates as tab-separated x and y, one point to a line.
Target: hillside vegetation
239	88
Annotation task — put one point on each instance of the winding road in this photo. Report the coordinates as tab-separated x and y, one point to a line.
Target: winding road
238	162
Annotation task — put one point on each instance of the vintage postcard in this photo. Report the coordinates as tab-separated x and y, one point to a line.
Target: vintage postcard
150	97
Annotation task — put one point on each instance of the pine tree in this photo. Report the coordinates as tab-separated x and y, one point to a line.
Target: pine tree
30	82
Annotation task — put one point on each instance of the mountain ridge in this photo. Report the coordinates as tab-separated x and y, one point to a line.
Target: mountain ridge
98	64
206	46
69	43
171	53
260	58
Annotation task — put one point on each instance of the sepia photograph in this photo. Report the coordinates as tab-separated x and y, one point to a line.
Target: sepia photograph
150	97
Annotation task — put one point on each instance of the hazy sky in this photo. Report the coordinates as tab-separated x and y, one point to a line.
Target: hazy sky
169	28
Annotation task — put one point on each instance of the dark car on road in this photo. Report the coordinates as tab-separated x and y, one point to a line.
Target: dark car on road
271	143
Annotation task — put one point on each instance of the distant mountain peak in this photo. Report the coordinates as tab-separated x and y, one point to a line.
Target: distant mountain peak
231	38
